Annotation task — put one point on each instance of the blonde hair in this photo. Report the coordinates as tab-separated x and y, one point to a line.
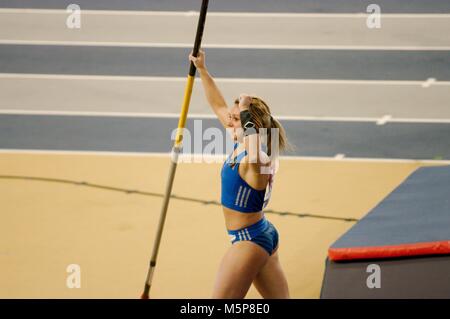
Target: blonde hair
262	117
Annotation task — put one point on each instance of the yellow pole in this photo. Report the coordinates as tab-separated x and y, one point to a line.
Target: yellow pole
176	149
184	110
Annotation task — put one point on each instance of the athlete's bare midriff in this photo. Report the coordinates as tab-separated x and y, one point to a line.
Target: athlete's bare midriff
236	220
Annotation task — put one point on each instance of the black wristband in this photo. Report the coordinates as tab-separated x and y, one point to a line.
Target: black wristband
247	123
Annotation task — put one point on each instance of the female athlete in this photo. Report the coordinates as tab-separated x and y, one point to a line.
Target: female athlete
247	177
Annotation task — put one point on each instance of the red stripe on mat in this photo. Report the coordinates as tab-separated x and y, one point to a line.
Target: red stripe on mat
404	250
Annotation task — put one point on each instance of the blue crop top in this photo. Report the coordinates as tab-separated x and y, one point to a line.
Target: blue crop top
236	193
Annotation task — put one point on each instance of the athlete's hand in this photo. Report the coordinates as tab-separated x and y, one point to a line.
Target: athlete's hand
244	101
199	61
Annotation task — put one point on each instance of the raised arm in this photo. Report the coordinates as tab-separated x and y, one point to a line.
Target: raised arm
252	141
212	92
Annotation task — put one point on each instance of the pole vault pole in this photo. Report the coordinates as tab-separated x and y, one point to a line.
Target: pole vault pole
176	149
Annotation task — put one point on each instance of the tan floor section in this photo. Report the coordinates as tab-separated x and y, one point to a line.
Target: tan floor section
45	226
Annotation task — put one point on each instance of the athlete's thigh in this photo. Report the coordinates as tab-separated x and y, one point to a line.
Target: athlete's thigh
238	269
270	280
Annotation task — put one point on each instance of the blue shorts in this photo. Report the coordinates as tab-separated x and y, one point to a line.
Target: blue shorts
262	233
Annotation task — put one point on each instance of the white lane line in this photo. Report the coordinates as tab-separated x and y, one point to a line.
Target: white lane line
428	82
218	158
375	120
384	119
365	159
105	114
194	13
221	80
35	76
224	46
